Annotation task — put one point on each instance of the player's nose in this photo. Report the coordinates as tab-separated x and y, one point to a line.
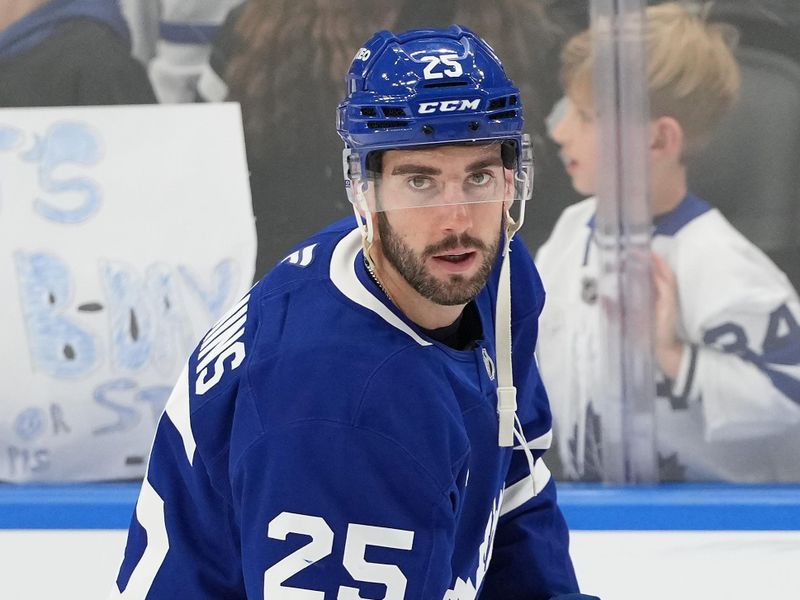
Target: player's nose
457	216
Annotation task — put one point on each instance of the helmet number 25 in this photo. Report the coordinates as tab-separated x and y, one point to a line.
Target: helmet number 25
452	68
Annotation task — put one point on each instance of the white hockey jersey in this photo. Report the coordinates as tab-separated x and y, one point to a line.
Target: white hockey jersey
733	412
174	38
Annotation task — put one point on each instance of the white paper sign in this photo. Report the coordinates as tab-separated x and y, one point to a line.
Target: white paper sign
124	233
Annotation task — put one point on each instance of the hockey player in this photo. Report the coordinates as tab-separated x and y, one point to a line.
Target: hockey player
727	340
351	428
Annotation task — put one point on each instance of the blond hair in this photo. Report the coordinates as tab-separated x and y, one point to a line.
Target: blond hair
692	75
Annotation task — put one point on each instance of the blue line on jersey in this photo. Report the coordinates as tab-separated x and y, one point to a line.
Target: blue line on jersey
184	33
687	211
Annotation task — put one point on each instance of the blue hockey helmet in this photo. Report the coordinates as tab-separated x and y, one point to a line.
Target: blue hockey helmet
429	86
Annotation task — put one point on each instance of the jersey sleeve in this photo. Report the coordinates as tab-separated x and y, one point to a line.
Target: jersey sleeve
238	504
741	360
182	537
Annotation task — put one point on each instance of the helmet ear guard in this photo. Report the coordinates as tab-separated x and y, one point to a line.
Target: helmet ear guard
357	179
352	175
523	184
355	186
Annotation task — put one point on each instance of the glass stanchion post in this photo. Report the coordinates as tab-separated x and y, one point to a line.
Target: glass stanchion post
623	230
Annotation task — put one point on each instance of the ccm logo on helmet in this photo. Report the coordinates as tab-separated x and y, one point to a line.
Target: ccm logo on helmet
449	106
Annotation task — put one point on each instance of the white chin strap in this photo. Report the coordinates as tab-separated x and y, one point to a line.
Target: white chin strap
506	391
358	200
364	222
510	427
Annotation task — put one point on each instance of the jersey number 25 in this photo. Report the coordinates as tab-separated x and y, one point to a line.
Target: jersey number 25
321	545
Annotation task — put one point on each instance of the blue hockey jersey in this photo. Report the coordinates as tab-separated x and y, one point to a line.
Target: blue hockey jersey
320	445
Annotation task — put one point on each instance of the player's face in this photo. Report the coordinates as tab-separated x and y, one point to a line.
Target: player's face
446	250
576	133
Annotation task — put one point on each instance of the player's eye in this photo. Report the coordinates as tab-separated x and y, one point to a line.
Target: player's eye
419	182
480	179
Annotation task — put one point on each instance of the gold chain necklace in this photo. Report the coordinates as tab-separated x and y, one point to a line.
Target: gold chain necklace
374	278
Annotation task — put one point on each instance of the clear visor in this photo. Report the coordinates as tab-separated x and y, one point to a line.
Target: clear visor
441	175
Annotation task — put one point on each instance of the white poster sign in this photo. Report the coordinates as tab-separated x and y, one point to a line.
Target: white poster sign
124	233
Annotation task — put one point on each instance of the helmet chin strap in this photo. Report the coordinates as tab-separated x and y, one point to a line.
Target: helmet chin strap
510	427
506	390
358	200
364	222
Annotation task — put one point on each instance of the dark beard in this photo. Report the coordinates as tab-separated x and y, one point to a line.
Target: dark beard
457	289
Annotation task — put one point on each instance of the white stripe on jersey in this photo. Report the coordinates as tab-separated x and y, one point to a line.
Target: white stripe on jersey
519	493
344	277
542	442
150	514
177	411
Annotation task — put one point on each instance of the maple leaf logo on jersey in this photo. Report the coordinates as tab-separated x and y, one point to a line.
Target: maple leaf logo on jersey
465	589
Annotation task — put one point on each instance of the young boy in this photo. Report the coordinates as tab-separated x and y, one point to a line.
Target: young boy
727	339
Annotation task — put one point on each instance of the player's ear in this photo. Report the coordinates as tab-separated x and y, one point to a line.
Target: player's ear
666	138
